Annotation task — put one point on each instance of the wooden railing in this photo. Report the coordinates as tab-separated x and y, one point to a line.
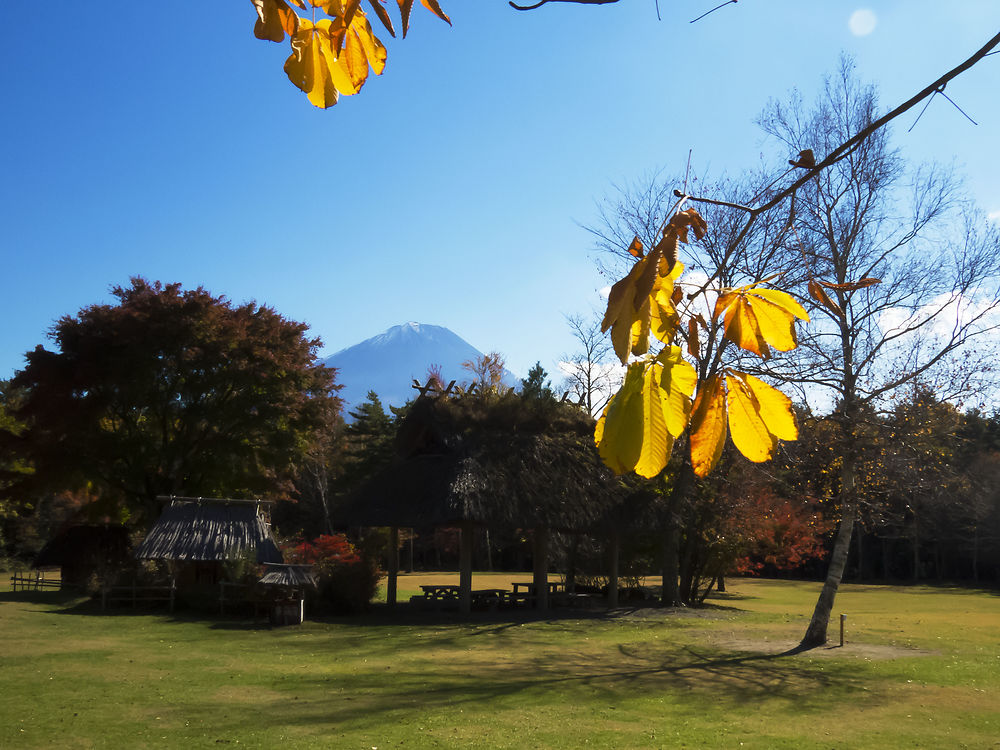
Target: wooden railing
35	581
138	595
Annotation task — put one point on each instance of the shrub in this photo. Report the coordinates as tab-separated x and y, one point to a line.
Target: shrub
347	580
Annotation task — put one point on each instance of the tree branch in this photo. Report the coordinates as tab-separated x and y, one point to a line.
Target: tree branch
540	3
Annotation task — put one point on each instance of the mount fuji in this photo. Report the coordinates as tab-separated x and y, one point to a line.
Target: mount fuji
388	363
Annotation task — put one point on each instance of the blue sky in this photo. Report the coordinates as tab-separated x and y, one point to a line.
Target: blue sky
163	140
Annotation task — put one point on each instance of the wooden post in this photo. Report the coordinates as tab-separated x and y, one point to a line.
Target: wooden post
613	572
465	568
843	619
540	553
390	594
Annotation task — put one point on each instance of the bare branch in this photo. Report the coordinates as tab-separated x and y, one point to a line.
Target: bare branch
540	3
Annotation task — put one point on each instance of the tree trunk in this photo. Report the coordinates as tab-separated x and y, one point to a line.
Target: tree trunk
816	632
465	567
916	551
671	596
540	553
613	553
393	560
859	545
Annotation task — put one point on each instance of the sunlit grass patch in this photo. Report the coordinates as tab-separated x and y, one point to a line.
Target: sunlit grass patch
641	677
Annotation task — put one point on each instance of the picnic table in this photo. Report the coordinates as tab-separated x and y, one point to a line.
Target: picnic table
443	595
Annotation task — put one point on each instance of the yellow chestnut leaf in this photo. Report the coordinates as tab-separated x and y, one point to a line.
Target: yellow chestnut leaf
750	435
677	383
756	319
708	426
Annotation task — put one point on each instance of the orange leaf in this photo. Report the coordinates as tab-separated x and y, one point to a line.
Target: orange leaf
708	426
850	286
405	6
694	348
383	16
274	20
435	8
817	293
635	248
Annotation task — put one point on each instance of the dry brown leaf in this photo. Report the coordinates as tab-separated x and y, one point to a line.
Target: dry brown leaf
817	293
850	286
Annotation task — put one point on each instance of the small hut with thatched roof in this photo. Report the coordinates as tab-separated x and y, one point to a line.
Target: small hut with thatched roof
82	551
197	536
507	463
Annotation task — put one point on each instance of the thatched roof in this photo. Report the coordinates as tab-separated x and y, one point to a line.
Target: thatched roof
83	543
209	530
504	465
295	576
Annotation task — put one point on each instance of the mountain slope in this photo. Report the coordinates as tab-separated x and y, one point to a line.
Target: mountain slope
388	363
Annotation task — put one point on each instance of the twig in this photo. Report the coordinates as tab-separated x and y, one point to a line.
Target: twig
922	112
723	5
957	107
713	201
540	3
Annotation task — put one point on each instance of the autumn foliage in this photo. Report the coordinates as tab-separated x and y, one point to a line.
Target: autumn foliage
333	54
663	395
347	579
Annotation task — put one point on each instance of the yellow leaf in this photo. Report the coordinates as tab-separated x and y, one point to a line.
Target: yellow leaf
656	440
742	329
677	381
626	302
274	20
708	426
374	49
756	318
750	435
663	313
632	433
619	431
308	67
775	408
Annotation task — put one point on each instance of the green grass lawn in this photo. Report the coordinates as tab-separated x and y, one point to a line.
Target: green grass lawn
921	669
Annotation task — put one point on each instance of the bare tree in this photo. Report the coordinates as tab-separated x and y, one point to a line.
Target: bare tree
592	374
869	216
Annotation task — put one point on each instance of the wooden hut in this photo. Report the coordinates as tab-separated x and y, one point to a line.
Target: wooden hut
198	536
81	551
510	464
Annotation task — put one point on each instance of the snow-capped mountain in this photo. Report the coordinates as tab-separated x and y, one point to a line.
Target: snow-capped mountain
388	363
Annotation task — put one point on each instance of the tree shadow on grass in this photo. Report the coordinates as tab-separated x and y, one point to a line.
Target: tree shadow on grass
688	677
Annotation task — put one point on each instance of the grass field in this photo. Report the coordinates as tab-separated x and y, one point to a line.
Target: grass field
921	669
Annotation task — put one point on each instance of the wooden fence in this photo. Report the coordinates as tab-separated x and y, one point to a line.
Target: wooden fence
35	581
137	595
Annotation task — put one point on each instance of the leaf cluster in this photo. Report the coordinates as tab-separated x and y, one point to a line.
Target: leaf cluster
332	55
663	394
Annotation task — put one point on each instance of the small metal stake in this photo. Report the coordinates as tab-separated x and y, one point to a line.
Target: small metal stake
843	619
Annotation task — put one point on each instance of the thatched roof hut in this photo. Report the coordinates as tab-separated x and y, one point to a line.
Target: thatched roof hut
84	549
208	530
290	576
509	462
503	465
